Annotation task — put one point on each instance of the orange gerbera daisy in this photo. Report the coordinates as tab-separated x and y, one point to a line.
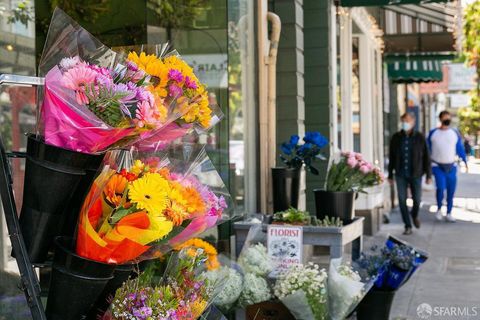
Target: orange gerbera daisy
114	189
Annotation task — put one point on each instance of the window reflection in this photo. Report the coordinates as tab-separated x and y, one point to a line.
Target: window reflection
356	94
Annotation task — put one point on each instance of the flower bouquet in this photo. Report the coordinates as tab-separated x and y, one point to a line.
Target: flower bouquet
352	173
286	180
393	264
94	100
303	290
183	293
346	288
141	206
346	176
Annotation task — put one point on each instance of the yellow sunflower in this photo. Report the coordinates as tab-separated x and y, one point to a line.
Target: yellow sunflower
150	193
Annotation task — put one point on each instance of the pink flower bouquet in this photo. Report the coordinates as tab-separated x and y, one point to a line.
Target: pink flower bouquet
353	173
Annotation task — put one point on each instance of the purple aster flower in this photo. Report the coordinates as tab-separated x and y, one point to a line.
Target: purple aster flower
190	83
132	296
131	66
174	90
175	75
142	313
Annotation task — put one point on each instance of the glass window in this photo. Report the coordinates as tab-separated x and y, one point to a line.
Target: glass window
217	39
356	94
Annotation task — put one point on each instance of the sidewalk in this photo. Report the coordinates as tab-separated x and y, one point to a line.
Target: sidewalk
449	282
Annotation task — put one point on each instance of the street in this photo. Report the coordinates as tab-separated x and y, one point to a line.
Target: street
449	282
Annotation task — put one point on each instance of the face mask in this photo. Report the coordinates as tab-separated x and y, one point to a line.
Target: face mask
406	126
446	122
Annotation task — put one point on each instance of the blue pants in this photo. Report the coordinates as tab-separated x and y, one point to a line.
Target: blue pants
415	185
446	181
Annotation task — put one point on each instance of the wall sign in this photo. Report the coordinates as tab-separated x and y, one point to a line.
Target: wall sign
285	246
211	69
461	77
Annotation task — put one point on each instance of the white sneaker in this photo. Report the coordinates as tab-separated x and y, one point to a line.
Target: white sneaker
449	218
439	216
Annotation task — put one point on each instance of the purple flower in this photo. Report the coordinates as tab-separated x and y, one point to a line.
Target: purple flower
131	66
131	296
127	94
190	83
142	313
174	90
175	75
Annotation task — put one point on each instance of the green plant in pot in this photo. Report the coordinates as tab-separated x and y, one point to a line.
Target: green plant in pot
347	176
295	155
292	216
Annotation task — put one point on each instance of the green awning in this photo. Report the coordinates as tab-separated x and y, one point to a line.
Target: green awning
367	3
416	68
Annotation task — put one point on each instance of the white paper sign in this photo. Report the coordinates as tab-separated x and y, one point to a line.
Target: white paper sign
285	246
461	77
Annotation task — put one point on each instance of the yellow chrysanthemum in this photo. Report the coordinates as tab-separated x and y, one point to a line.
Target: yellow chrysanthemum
138	167
143	61
150	193
176	213
198	306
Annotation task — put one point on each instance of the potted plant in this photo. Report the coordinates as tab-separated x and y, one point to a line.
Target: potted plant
291	216
286	180
346	177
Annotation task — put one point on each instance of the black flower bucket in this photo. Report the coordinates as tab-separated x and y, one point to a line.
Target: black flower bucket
76	283
375	305
121	274
56	182
286	188
335	204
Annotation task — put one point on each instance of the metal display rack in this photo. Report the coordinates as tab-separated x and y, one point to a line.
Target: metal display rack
29	280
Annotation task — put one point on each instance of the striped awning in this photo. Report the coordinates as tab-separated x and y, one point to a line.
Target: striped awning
416	68
367	3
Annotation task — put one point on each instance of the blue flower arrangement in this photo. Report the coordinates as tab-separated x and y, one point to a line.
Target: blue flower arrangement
295	155
392	265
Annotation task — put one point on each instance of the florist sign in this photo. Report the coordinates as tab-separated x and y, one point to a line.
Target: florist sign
285	245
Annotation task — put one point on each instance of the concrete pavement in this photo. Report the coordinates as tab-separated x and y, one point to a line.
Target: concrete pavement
449	282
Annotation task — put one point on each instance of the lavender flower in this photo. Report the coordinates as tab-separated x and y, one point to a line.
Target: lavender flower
175	91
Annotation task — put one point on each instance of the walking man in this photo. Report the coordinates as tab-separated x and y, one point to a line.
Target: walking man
445	144
409	161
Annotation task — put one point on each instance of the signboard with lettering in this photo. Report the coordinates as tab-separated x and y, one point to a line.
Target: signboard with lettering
285	246
211	69
459	100
461	77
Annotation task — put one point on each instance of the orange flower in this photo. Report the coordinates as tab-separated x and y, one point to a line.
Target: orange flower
114	189
176	213
194	200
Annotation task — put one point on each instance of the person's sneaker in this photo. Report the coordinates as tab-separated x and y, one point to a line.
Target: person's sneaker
439	216
407	231
449	218
416	223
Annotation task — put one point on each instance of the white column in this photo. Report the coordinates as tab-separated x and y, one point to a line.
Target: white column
366	115
346	81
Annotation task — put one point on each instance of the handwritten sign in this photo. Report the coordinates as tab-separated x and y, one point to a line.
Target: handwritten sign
285	246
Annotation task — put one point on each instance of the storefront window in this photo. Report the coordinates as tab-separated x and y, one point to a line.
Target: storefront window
217	39
356	94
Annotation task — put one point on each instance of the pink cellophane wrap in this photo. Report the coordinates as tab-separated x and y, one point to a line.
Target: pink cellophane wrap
72	126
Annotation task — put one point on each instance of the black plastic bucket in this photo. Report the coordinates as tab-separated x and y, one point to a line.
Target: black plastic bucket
56	182
121	274
375	305
286	188
76	283
335	204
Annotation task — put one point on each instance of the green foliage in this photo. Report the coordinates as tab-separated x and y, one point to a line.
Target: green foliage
330	222
176	13
292	215
469	120
470	117
85	10
23	13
